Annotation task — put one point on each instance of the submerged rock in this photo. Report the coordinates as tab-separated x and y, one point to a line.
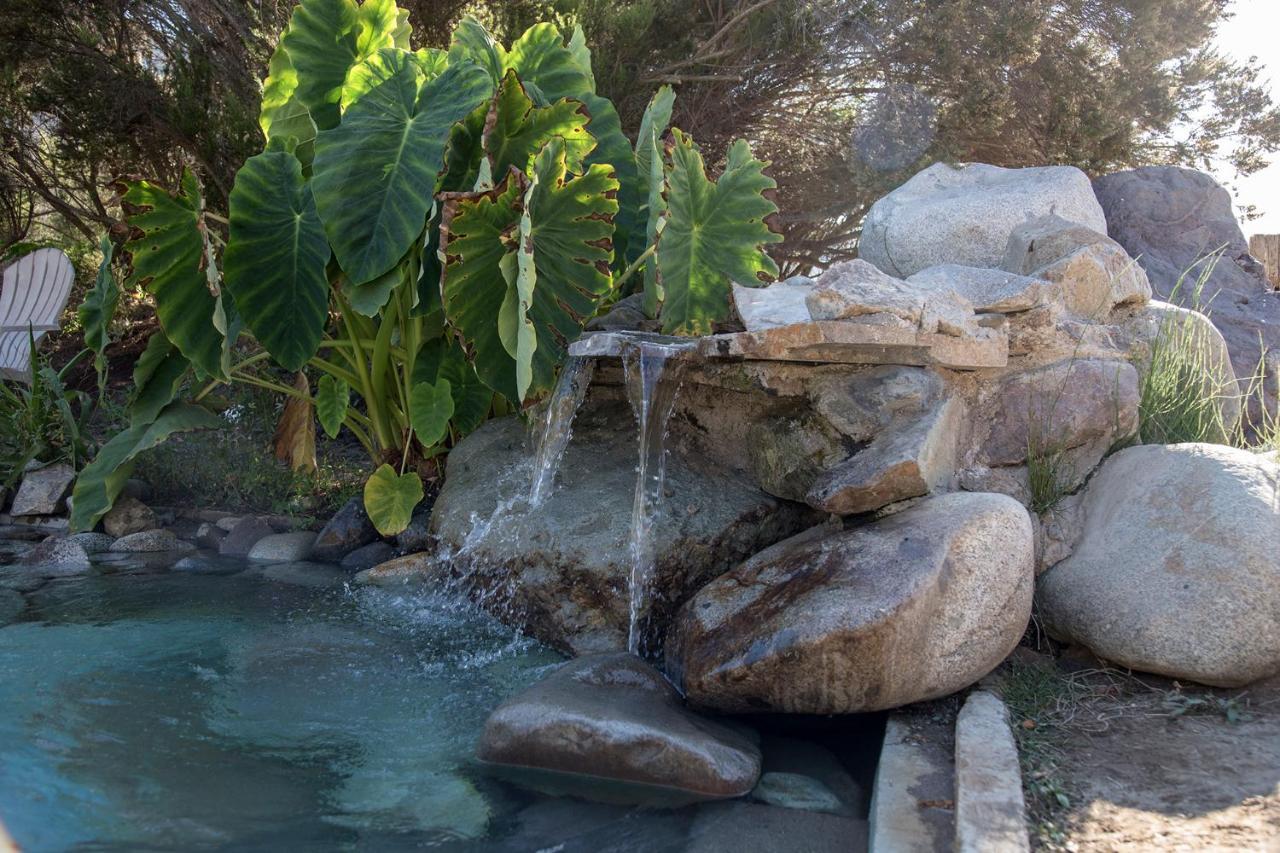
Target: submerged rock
12	603
43	490
914	606
964	214
742	827
92	543
561	570
796	791
610	728
1177	570
411	569
349	529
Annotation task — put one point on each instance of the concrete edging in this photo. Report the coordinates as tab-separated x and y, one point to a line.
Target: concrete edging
912	792
990	811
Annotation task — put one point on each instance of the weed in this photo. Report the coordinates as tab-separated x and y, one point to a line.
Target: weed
42	421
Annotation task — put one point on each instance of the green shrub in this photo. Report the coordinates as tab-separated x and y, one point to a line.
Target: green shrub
43	421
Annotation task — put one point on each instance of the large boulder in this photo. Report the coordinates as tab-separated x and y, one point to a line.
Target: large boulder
611	727
43	490
561	570
1177	570
914	606
1170	218
964	214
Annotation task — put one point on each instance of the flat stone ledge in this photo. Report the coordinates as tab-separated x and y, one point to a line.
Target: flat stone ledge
829	342
913	796
990	810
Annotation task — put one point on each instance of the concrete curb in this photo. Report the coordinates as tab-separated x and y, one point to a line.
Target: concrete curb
913	790
990	810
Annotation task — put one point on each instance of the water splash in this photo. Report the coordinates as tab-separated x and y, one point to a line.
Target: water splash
652	386
557	425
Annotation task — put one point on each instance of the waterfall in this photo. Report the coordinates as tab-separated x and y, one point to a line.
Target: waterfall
652	386
557	425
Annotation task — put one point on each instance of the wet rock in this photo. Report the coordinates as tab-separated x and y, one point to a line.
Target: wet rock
43	490
209	536
417	536
1091	272
779	304
283	547
137	489
562	570
349	529
1080	406
209	564
411	569
129	515
242	535
988	290
150	541
796	791
57	557
1169	218
739	827
790	756
787	453
367	557
911	607
611	728
1176	571
227	523
964	215
92	543
904	428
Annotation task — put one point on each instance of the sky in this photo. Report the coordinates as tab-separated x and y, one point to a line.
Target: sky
1255	31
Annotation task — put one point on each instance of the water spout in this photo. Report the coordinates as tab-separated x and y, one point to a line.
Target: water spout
652	386
557	425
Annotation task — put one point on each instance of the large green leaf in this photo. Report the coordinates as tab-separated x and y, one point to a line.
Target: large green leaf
519	270
157	378
553	71
326	38
374	70
443	358
472	43
375	174
98	309
656	219
518	129
100	483
284	116
715	234
572	221
476	231
276	258
332	400
170	262
430	408
389	499
651	206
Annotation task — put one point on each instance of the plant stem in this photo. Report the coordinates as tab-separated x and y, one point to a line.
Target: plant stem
635	265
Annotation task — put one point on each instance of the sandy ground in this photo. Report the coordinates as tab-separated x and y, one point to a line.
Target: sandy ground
1120	763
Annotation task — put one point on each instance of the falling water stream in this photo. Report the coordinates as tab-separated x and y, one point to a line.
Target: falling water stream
557	425
652	386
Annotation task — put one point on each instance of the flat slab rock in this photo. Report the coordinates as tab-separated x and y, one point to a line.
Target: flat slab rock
561	570
610	727
912	607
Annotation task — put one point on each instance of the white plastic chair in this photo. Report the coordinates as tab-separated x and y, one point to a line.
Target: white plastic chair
36	288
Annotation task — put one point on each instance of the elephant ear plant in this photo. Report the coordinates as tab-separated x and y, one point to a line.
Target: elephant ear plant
427	231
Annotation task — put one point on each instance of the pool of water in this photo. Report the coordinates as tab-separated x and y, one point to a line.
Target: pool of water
217	705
